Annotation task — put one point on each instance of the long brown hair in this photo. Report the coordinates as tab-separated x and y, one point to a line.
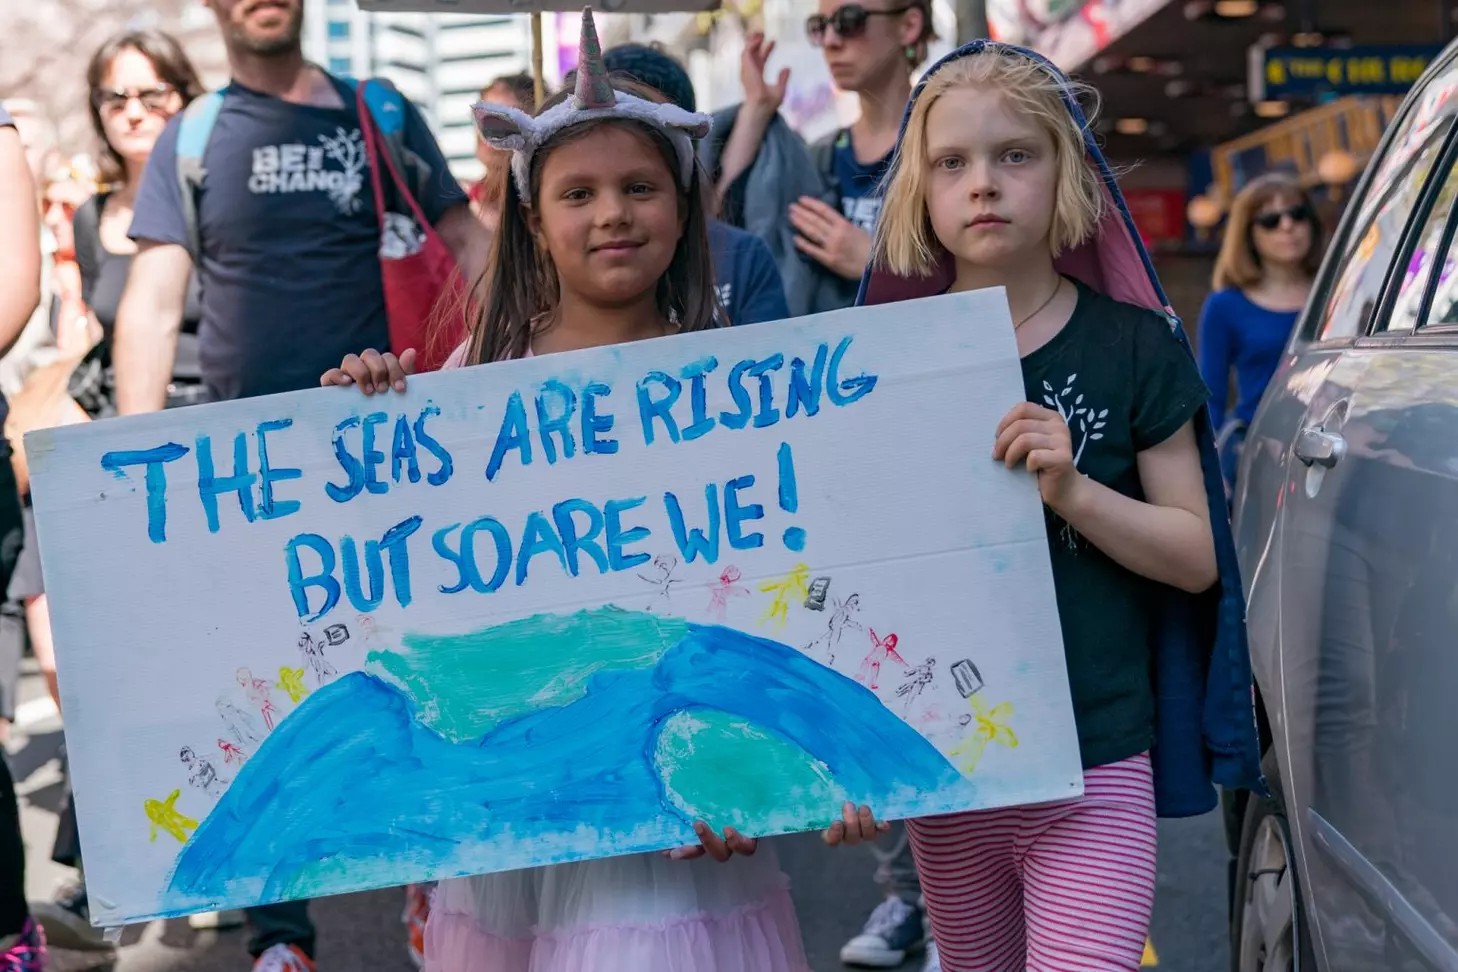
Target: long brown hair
1239	265
522	282
168	60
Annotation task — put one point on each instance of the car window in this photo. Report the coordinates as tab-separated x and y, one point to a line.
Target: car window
1354	295
1444	303
1339	294
1434	247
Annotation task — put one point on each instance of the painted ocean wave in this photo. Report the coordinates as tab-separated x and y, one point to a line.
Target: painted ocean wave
429	764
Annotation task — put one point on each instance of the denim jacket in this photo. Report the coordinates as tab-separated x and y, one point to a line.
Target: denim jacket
1205	724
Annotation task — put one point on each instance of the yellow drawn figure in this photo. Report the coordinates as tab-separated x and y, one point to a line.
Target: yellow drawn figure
164	815
989	725
794	586
291	680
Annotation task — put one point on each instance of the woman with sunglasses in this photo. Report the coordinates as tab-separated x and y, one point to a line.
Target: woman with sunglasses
138	79
872	48
1268	260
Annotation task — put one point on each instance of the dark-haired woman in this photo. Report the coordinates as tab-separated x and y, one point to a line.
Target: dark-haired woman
138	80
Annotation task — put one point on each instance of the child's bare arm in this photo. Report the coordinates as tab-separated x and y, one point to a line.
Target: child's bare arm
1167	537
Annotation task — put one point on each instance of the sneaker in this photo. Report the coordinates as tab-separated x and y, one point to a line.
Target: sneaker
216	920
283	958
417	913
933	960
25	952
67	921
892	931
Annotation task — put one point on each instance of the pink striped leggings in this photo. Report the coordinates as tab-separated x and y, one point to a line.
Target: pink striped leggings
1057	887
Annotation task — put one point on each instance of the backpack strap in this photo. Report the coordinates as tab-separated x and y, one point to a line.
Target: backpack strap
387	109
193	133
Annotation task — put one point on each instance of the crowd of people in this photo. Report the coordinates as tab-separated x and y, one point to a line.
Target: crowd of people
239	243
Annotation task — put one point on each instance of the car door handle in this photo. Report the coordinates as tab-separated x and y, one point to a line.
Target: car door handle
1316	446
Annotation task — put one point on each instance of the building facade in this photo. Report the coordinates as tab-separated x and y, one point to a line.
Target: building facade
439	61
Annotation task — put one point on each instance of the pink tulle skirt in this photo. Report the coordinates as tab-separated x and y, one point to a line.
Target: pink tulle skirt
640	913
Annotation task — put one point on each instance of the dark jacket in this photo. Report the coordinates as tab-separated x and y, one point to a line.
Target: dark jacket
1205	727
759	201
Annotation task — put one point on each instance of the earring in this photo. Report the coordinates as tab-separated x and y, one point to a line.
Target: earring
911	55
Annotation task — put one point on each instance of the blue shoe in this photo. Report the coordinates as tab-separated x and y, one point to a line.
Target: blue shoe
893	931
27	952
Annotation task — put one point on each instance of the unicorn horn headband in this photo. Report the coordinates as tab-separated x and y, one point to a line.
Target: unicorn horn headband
521	134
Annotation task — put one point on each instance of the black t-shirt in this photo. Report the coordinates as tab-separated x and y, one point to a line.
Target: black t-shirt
289	237
1124	383
104	278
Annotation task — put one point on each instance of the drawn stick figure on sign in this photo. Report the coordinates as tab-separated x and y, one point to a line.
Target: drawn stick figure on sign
320	668
721	592
662	578
840	619
164	816
240	724
882	650
917	681
790	588
201	773
260	694
232	755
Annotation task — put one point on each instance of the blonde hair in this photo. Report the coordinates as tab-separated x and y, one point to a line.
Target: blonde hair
1239	265
905	243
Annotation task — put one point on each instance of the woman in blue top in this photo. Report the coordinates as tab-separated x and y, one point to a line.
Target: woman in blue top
1269	257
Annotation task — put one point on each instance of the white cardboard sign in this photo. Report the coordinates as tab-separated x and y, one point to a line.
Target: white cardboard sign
552	609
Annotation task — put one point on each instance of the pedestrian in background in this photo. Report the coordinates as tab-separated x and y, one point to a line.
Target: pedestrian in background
136	81
817	208
22	943
514	91
1268	260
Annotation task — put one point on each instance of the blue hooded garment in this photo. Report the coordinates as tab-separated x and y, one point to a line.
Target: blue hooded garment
1205	728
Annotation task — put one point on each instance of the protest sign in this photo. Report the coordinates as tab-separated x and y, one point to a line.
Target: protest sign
552	609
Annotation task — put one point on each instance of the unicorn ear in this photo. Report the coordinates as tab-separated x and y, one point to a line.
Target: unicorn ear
502	126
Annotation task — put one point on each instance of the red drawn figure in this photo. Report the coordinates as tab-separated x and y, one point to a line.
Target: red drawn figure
882	649
260	693
729	586
231	753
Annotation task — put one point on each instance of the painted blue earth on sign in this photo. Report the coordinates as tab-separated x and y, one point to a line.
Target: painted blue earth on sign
563	733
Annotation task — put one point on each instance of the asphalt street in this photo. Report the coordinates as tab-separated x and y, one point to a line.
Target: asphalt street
834	891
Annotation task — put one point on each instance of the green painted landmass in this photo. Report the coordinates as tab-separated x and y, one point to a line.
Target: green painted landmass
465	685
701	758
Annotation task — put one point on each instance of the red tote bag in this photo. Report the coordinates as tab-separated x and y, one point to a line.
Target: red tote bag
425	294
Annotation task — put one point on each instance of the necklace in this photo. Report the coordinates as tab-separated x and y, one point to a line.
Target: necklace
1041	307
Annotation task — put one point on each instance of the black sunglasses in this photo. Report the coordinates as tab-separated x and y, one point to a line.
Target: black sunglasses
1297	214
110	100
849	21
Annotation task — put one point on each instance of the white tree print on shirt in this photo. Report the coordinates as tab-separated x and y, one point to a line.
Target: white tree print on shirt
1082	419
347	149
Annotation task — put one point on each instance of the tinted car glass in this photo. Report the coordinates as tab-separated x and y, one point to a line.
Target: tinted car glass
1434	248
1357	289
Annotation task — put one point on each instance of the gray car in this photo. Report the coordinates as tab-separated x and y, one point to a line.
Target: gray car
1346	516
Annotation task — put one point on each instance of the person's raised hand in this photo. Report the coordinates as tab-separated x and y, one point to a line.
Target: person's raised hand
372	371
760	94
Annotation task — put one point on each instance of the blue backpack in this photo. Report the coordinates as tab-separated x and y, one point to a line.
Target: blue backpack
386	106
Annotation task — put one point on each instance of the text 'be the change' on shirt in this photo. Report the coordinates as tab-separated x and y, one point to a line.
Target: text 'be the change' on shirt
289	263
